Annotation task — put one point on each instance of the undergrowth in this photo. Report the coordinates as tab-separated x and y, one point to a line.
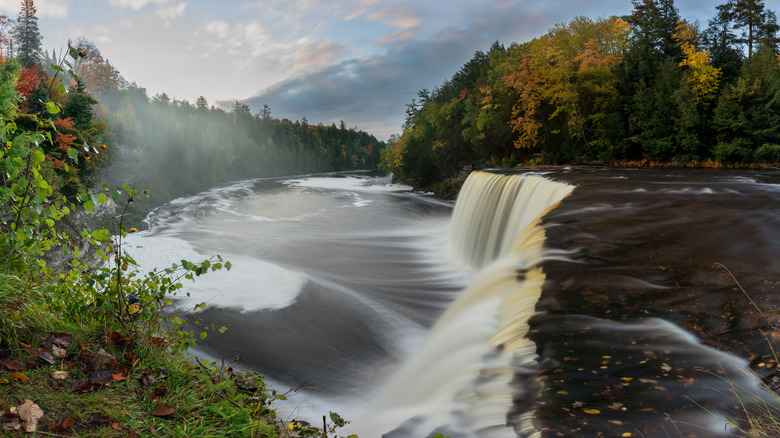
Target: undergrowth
94	347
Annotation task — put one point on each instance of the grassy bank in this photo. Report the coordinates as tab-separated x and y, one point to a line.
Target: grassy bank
87	380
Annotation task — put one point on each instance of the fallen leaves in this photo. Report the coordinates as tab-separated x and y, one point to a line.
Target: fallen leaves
163	410
20	377
61	375
10	421
29	413
63	425
13	365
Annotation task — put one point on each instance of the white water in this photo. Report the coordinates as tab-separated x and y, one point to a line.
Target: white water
460	380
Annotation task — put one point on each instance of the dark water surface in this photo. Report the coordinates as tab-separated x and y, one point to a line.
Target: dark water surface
639	329
630	326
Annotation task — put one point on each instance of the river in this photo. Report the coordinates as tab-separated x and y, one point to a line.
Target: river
563	302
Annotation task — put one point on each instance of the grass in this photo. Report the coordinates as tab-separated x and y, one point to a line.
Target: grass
111	385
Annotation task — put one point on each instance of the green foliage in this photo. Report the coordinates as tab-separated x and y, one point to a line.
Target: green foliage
112	296
639	90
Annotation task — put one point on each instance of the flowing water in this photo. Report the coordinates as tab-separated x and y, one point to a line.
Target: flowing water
571	302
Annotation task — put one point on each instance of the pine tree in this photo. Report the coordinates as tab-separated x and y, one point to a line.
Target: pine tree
758	24
27	35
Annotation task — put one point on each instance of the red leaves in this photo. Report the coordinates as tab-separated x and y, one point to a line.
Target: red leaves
65	137
29	78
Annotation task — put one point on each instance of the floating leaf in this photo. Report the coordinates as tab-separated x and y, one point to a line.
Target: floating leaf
591	411
30	413
13	365
163	410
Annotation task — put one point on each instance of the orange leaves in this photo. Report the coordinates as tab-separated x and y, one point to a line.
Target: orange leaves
64	138
554	75
20	377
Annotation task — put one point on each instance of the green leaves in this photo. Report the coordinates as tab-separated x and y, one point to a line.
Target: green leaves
52	108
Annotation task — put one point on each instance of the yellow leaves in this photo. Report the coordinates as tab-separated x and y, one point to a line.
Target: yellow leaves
704	79
591	411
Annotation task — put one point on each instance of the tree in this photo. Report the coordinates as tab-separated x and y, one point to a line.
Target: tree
97	73
27	35
758	24
721	41
201	103
703	79
748	113
5	35
566	84
654	23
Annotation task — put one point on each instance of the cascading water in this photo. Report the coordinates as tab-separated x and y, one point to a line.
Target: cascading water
338	280
463	380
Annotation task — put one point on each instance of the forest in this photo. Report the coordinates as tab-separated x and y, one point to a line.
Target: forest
94	119
649	88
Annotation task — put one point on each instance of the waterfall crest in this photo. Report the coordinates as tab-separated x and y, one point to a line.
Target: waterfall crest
463	379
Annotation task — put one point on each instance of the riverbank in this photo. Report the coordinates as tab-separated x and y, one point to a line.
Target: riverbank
58	378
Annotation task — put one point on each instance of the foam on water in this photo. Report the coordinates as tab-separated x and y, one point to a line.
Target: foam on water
273	286
352	182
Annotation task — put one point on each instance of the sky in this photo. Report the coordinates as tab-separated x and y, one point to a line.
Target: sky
360	61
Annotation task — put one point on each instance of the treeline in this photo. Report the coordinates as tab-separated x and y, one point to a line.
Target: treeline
647	87
100	128
174	147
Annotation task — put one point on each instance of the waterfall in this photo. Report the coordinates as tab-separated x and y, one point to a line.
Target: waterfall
465	377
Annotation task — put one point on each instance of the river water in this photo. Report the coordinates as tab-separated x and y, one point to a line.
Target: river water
566	302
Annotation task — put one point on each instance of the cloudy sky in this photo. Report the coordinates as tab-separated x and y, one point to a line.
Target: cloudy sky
359	61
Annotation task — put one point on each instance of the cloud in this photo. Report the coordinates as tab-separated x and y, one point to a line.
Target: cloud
135	4
372	91
100	34
168	13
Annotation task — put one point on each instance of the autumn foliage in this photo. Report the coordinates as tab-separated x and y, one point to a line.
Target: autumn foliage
649	87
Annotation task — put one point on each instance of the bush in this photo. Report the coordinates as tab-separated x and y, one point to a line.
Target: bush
768	153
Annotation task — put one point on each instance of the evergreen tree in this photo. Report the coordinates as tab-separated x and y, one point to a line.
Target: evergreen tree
28	36
721	41
758	24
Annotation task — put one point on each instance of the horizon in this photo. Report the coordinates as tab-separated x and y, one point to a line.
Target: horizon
360	61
